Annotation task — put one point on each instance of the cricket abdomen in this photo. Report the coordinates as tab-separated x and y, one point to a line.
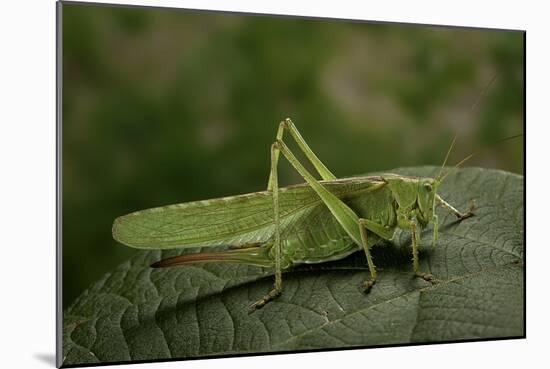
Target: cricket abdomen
323	239
315	237
302	249
318	244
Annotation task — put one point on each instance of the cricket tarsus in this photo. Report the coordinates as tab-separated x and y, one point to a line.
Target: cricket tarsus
470	212
458	214
367	285
275	292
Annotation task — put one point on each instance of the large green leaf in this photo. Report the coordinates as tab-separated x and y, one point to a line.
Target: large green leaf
139	313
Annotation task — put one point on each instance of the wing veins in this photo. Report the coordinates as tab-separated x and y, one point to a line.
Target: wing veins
154	235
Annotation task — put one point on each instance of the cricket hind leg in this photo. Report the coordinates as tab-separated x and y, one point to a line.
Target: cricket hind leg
354	226
288	125
345	216
273	186
274	181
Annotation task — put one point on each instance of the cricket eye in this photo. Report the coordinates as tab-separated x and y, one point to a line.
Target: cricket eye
428	187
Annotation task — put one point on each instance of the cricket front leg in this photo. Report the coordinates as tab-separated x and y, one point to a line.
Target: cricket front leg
426	276
458	214
278	287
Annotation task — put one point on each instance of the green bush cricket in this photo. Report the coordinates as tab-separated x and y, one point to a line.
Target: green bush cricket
313	222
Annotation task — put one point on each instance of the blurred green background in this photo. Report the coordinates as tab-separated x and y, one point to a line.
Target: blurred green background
165	106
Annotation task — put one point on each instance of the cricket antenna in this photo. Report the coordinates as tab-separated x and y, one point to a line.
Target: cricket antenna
446	157
482	94
468	157
454	138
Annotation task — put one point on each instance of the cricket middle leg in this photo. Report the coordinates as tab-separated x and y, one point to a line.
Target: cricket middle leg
426	276
380	231
273	186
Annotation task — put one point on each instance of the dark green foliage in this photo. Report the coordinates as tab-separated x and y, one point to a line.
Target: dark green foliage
139	313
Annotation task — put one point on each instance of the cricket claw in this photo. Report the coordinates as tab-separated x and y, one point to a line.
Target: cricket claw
470	211
264	300
426	276
255	306
466	215
367	285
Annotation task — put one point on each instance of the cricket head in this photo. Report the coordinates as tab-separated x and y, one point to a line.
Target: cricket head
415	197
425	200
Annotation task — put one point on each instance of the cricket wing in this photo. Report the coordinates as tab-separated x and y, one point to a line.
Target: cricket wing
233	220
